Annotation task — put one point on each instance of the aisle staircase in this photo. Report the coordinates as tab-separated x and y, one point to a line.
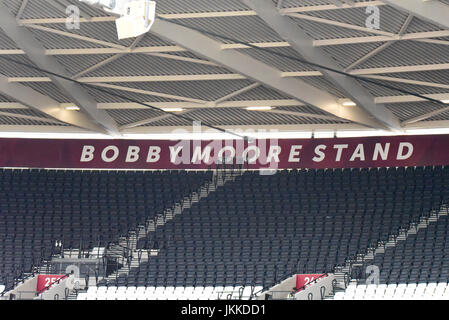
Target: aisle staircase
343	273
126	249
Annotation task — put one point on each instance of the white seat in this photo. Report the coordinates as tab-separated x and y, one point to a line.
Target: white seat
178	290
359	296
92	289
140	289
91	296
246	292
82	296
349	295
131	296
351	291
121	296
170	294
390	287
371	289
188	290
141	296
440	289
196	293
228	288
352	297
158	294
130	292
360	290
399	294
169	289
111	296
101	296
420	288
155	296
410	289
389	291
149	290
400	289
419	294
339	296
380	291
218	289
205	296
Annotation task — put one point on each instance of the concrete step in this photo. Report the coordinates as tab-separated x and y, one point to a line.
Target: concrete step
73	295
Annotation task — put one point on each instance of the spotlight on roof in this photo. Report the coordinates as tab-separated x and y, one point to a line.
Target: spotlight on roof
135	16
445	101
262	108
173	109
72	108
349	103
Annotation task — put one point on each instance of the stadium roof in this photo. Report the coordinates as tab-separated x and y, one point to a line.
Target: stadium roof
214	80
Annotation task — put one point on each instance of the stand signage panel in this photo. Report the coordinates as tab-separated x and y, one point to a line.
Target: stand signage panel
394	151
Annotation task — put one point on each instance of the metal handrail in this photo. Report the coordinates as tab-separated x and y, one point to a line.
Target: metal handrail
52	284
311	282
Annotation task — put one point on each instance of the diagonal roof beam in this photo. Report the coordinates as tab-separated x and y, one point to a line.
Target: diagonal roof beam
150	93
36	53
411	81
236	93
78	37
303	44
426	116
432	11
108	60
302	114
259	71
152	120
382	47
42	103
340	24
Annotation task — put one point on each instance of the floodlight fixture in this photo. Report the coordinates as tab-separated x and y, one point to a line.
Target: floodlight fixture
135	17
